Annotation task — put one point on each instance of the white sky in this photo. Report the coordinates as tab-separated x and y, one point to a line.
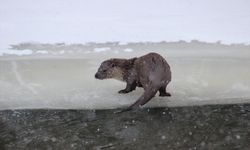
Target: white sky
124	20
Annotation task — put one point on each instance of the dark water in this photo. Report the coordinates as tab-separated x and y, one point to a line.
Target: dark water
204	127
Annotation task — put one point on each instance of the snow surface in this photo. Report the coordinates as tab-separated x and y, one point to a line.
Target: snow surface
80	21
15	52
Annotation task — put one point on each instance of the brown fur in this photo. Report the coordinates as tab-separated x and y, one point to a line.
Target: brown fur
151	71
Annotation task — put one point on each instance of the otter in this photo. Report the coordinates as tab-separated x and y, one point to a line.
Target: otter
151	72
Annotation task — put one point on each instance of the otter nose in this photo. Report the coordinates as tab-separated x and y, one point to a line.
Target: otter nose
96	76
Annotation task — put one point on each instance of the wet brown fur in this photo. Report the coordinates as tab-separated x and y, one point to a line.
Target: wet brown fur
151	71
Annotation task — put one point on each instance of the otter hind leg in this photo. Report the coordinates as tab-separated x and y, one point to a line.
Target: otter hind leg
147	96
129	88
163	92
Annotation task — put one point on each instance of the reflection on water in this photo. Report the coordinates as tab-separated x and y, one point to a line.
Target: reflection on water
203	127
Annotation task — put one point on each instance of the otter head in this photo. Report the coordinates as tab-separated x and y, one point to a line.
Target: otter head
110	69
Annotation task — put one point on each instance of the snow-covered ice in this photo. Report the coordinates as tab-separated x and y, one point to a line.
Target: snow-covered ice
102	49
128	50
203	73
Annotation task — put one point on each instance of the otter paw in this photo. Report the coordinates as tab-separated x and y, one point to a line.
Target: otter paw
123	91
165	94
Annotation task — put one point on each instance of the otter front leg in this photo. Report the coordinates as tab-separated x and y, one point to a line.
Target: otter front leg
130	87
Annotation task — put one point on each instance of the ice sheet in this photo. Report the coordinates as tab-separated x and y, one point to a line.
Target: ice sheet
202	74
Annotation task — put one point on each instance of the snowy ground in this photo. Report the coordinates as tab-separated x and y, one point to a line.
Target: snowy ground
128	20
62	76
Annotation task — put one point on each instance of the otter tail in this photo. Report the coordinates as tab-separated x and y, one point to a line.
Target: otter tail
148	94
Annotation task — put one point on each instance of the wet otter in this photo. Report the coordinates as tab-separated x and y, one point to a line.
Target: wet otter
151	71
